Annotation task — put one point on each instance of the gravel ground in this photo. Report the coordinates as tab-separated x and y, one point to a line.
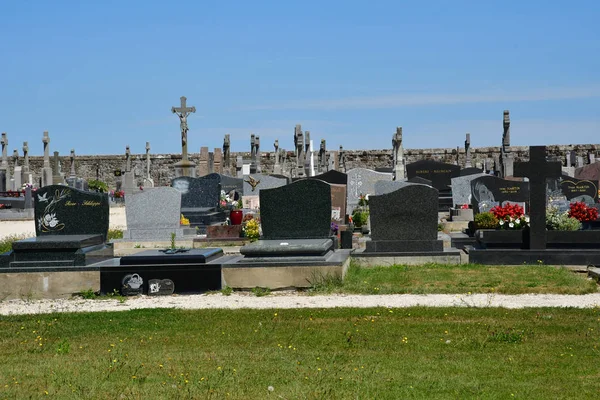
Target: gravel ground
286	300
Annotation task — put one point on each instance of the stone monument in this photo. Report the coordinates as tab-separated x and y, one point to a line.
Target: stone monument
148	181
47	169
277	168
185	167
398	154
128	178
17	173
4	168
506	158
26	174
226	152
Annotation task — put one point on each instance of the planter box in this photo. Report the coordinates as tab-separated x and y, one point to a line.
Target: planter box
573	239
223	231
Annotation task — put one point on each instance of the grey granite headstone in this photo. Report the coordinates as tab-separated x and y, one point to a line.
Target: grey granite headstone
301	210
405	220
153	214
203	192
461	189
362	181
262	182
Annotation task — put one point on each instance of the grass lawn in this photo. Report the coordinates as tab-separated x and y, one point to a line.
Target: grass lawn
338	353
438	278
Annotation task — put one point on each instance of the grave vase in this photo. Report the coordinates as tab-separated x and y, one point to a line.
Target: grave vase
236	217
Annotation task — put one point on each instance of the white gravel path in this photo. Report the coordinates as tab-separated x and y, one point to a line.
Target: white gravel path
287	300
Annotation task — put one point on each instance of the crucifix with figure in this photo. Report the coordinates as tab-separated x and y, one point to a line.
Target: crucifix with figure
538	170
182	112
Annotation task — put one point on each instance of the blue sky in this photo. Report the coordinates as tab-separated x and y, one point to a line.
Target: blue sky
102	75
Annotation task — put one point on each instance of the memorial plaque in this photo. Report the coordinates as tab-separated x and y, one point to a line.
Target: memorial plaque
160	287
132	285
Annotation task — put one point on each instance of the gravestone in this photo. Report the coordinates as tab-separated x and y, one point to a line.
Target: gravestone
538	170
228	183
153	214
335	177
160	287
580	190
461	188
362	181
440	174
338	181
405	220
301	210
493	191
203	192
254	183
61	210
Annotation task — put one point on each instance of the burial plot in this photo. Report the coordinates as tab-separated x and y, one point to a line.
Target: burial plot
361	181
489	191
537	245
153	214
71	229
200	200
296	245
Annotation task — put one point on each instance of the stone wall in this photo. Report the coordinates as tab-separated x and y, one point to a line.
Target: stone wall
103	166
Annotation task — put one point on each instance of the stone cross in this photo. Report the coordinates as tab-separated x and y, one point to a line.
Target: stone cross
257	154
300	173
182	112
4	142
25	157
468	151
226	147
538	170
297	132
127	159
252	147
148	160
506	134
398	154
323	166
276	145
15	157
46	142
342	159
73	174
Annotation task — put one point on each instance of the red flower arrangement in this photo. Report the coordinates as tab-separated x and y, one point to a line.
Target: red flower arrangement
580	211
508	211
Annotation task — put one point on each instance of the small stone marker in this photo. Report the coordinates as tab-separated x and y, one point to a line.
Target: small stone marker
160	287
132	285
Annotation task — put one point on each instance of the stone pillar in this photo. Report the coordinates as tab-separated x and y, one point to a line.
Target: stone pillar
252	156
5	183
300	171
18	171
506	159
239	167
73	174
47	169
218	161
128	178
226	149
468	151
398	155
323	165
148	181
203	162
257	156
26	176
277	167
57	176
342	160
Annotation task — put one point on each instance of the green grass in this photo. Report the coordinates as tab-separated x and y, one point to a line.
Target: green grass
303	354
436	278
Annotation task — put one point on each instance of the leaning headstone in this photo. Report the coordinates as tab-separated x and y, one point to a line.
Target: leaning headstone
61	210
301	210
490	190
440	174
405	220
254	183
153	214
362	181
461	188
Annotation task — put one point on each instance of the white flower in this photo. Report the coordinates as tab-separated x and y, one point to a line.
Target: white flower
501	222
511	225
367	196
527	219
270	388
517	221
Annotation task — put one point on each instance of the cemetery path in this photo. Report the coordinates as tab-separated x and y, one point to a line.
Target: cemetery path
289	300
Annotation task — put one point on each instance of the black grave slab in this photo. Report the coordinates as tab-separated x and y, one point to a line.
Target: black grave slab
533	256
405	220
470	171
61	210
333	176
194	271
440	174
492	188
300	210
57	251
228	183
290	247
204	192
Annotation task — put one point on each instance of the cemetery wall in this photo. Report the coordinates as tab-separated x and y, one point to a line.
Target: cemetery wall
103	166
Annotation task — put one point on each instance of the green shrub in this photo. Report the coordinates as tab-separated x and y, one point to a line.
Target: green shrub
486	220
114	234
97	185
560	221
7	242
360	217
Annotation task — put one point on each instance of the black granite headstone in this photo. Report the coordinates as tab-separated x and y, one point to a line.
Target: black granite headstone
301	210
333	176
61	210
493	189
228	183
470	171
132	285
440	174
160	287
538	170
418	179
204	192
579	190
405	220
